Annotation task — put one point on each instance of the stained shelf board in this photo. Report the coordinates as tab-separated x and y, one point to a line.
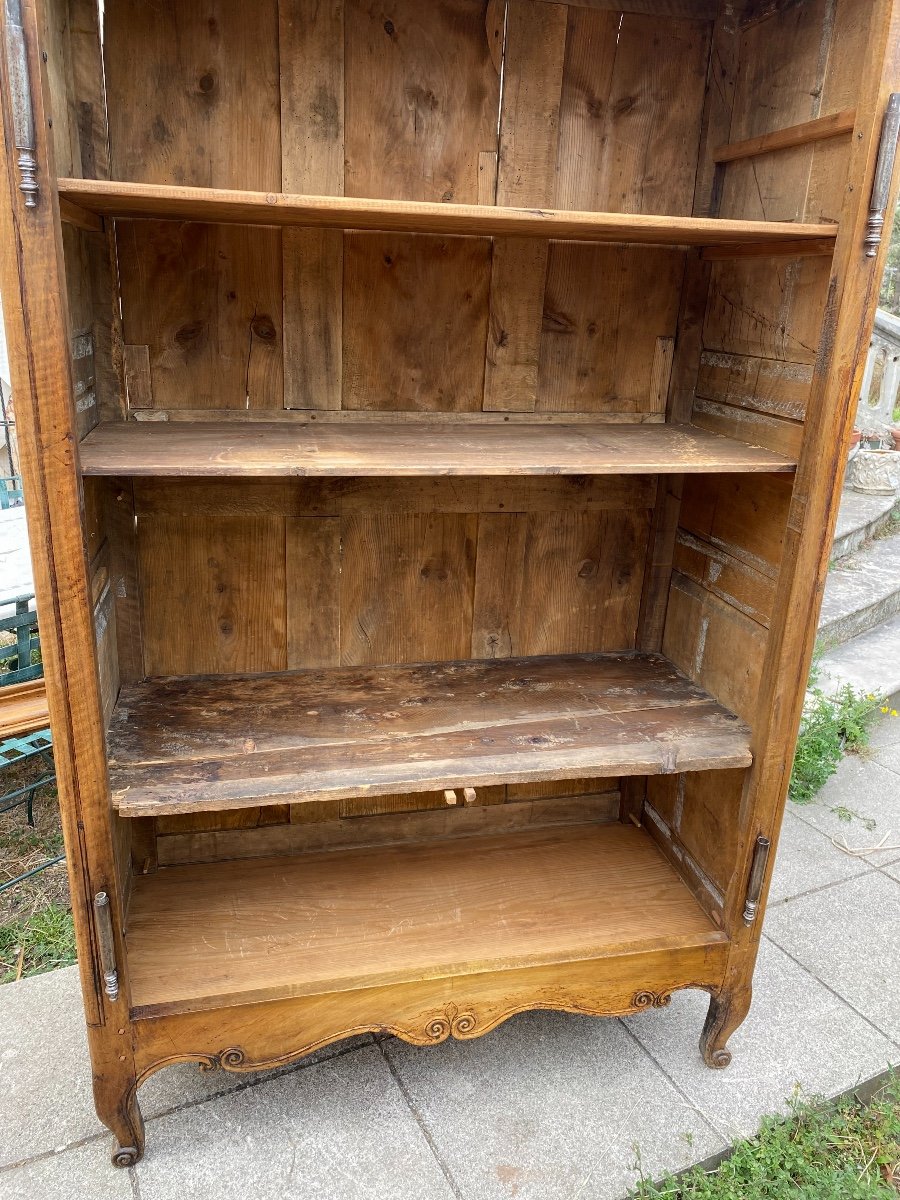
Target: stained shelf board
217	205
236	932
195	743
159	448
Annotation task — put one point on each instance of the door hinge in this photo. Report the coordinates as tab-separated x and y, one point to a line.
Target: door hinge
884	170
20	100
107	944
755	882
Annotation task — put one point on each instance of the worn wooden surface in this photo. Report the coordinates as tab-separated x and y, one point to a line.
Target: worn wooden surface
169	202
163	448
205	936
178	745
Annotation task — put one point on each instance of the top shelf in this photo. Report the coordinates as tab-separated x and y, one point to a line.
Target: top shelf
217	205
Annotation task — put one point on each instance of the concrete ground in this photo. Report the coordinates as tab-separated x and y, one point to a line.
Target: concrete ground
547	1107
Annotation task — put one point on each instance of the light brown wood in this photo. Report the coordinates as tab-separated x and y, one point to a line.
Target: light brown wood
163	448
175	203
183	744
817	130
23	708
204	936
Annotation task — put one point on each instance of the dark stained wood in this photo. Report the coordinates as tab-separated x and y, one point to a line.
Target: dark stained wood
204	936
259	449
184	744
175	203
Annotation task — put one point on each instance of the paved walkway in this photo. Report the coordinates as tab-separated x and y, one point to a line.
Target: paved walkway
547	1107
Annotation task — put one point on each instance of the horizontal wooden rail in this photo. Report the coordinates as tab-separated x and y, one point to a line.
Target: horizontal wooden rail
817	130
217	205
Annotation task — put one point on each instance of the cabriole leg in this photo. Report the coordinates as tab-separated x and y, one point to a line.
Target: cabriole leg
117	1107
727	1010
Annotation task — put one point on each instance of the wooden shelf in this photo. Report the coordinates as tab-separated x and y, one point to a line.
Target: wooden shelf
159	448
187	744
263	929
217	205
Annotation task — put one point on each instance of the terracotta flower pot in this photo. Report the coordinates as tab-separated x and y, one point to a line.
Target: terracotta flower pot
895	434
855	438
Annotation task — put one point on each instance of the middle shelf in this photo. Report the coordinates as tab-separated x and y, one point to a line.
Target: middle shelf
383	448
195	743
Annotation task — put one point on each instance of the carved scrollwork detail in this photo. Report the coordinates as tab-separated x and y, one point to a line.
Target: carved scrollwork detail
231	1059
450	1022
651	999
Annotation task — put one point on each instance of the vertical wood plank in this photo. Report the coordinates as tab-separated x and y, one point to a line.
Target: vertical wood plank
518	275
407	582
415	322
422	92
311	56
207	300
529	121
604	308
213	592
138	386
557	582
311	67
313	318
313	569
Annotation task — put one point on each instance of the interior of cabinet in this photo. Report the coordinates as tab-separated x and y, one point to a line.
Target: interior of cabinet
383	514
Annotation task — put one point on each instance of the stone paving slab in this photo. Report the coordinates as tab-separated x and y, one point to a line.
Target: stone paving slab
797	1033
848	936
551	1106
861	591
858	807
82	1173
340	1129
807	860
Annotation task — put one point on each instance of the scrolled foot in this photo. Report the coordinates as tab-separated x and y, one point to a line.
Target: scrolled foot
726	1011
125	1156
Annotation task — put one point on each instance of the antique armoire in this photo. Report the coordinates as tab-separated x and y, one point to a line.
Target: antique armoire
433	414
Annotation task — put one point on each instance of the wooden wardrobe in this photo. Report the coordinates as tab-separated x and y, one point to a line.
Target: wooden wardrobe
433	415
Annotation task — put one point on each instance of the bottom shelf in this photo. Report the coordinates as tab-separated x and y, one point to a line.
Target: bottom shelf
238	932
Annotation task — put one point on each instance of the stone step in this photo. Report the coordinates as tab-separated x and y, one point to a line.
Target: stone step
870	663
861	591
859	519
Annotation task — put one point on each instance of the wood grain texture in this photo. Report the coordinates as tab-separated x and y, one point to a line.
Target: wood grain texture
817	130
259	449
395	820
311	61
604	308
422	95
406	586
425	1012
550	583
176	203
415	322
213	594
312	581
187	744
202	936
207	301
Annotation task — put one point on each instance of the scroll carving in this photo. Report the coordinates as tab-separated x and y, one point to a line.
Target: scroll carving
451	1022
651	999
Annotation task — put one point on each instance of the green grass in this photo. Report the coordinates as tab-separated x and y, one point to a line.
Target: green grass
837	1151
832	726
43	941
